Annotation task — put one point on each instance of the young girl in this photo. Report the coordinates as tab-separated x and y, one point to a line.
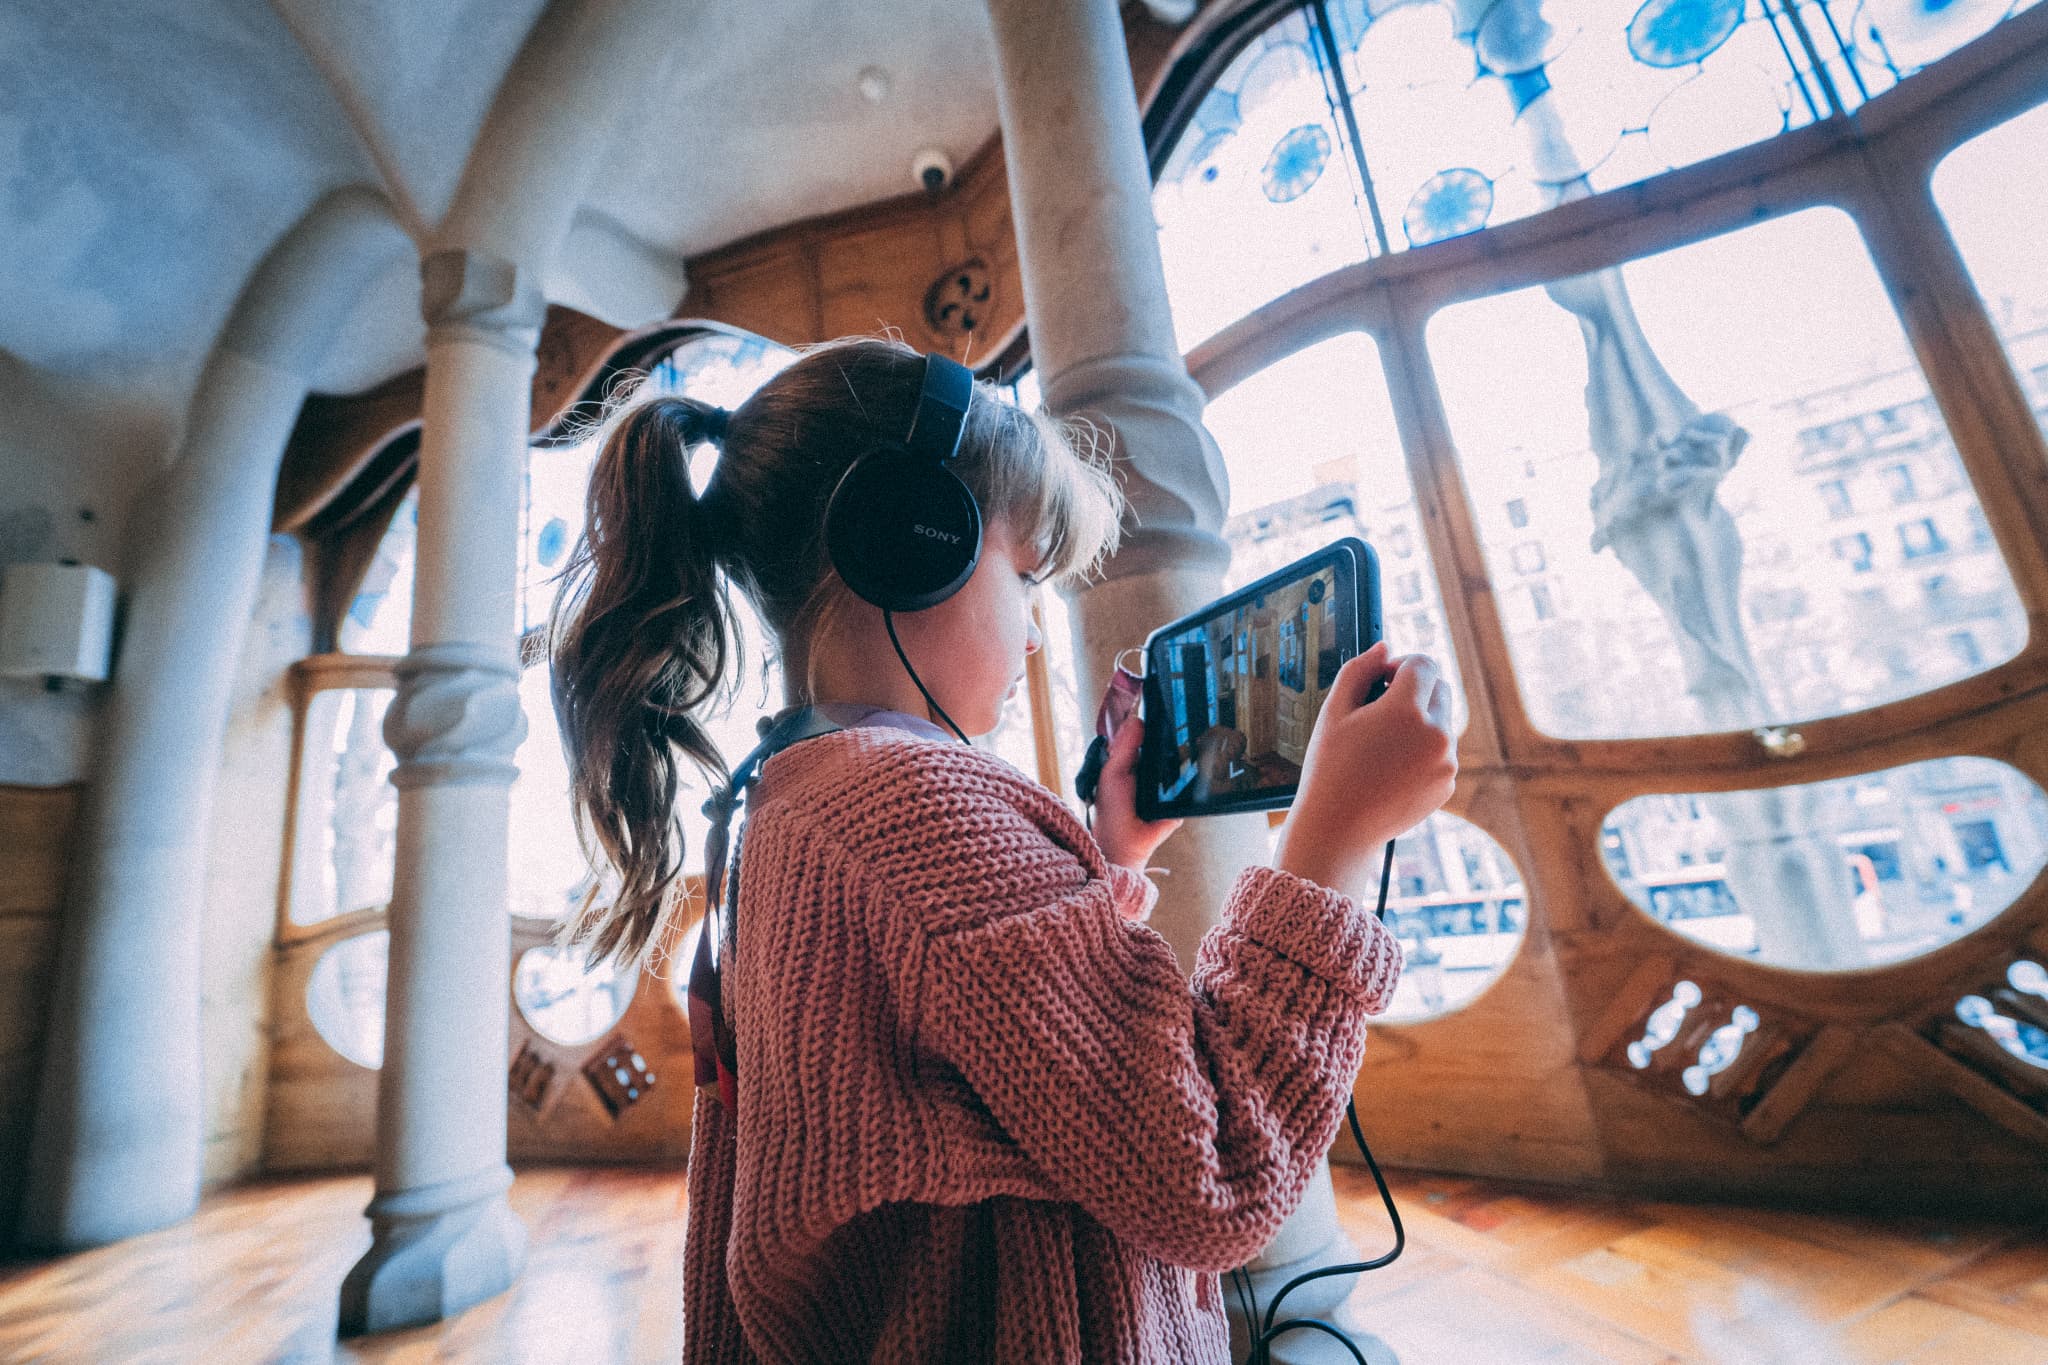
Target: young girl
981	1113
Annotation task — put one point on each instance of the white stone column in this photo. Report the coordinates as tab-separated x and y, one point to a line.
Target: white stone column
1103	343
444	1237
120	1116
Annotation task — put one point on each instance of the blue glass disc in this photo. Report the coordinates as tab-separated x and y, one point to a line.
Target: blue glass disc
1517	36
1681	32
1296	164
1906	35
1449	204
554	538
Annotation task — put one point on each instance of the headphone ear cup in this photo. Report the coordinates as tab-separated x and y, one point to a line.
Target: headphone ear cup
904	533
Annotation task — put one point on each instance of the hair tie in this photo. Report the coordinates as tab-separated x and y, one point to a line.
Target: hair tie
715	420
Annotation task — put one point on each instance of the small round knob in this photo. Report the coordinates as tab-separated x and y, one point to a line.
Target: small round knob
1781	742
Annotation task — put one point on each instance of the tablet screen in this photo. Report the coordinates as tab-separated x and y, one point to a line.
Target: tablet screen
1233	691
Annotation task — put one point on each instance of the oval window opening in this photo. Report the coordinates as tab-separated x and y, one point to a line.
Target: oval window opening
345	997
565	1000
1458	906
1831	876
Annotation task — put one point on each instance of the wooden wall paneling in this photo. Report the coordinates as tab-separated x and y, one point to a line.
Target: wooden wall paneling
1491	1086
37	829
875	268
321	1113
556	1113
1796	1086
37	826
1621	1020
1977	1050
761	289
334	438
1987	1097
573	348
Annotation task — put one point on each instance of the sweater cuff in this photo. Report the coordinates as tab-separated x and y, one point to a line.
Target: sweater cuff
1132	893
1322	930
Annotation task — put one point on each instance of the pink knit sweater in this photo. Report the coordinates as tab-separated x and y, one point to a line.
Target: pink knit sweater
983	1115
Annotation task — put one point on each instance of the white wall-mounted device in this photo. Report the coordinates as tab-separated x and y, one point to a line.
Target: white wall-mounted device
56	621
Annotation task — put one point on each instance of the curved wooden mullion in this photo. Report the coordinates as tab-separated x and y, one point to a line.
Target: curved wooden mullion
1471	611
321	935
1293	322
1970	91
1996	434
306	677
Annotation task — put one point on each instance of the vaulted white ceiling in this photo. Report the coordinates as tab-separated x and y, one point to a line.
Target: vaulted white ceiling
152	152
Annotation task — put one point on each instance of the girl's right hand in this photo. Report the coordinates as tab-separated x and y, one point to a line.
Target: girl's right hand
1374	769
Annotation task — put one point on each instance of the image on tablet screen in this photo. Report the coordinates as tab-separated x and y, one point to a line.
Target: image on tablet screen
1242	691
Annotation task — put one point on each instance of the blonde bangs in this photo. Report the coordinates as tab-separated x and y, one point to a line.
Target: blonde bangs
1050	483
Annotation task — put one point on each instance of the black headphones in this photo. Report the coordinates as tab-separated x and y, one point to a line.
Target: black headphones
902	529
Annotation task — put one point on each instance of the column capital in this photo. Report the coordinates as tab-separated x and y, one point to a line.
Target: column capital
470	295
456	719
1172	473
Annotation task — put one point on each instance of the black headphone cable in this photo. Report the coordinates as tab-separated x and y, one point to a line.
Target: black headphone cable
1264	1325
889	620
1262	1328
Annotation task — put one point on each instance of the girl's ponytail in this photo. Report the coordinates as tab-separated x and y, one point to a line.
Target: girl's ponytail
644	624
639	640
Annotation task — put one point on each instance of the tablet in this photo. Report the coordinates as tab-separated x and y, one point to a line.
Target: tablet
1232	691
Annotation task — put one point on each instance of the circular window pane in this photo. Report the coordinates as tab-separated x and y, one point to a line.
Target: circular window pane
563	1000
1855	872
1458	907
345	997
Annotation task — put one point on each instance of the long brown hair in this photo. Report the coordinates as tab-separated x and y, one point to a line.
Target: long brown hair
643	632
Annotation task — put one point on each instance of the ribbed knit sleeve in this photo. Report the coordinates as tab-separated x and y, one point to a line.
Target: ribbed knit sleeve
1186	1117
1132	892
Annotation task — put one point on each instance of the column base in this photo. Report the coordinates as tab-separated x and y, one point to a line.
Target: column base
434	1252
1323	1299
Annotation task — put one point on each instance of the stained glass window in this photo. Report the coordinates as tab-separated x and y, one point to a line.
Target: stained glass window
1471	116
1215	196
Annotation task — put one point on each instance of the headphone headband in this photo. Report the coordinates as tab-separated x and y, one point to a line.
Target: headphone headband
941	416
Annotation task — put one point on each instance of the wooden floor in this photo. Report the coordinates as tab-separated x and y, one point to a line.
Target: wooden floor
1494	1275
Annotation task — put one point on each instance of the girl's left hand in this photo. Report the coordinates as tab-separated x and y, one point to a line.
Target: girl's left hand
1125	839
